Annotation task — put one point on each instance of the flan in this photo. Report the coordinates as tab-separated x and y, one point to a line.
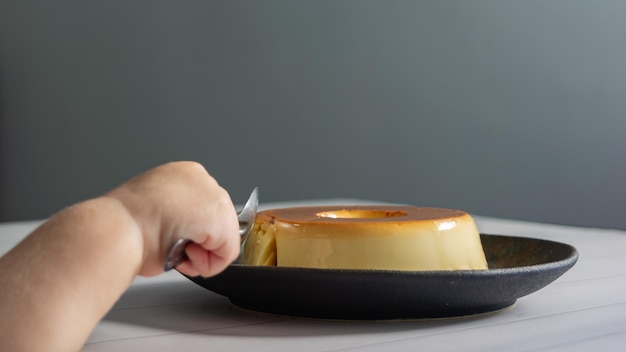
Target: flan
365	237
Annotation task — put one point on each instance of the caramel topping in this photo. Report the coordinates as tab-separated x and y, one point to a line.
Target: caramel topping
359	214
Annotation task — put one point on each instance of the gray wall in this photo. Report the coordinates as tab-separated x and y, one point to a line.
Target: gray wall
504	108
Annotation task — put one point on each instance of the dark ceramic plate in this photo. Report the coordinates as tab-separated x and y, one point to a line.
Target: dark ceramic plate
517	267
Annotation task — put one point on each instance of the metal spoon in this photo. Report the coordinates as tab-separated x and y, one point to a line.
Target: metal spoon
177	255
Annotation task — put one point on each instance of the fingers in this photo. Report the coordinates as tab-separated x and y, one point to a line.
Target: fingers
205	262
211	224
217	245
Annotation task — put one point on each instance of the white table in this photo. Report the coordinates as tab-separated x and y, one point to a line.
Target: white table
584	310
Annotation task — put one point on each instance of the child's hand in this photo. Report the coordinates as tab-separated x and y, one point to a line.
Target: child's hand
63	277
181	200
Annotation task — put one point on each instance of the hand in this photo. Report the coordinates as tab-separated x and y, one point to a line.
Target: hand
181	200
63	277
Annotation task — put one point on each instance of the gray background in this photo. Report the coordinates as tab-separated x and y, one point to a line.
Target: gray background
504	108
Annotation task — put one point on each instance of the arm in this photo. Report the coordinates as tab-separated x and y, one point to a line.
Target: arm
65	276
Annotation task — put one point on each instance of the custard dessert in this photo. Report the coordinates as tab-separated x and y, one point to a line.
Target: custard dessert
365	237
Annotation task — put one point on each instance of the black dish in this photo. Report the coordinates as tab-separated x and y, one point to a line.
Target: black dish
517	267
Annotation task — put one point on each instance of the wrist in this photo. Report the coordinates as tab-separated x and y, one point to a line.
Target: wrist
147	219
